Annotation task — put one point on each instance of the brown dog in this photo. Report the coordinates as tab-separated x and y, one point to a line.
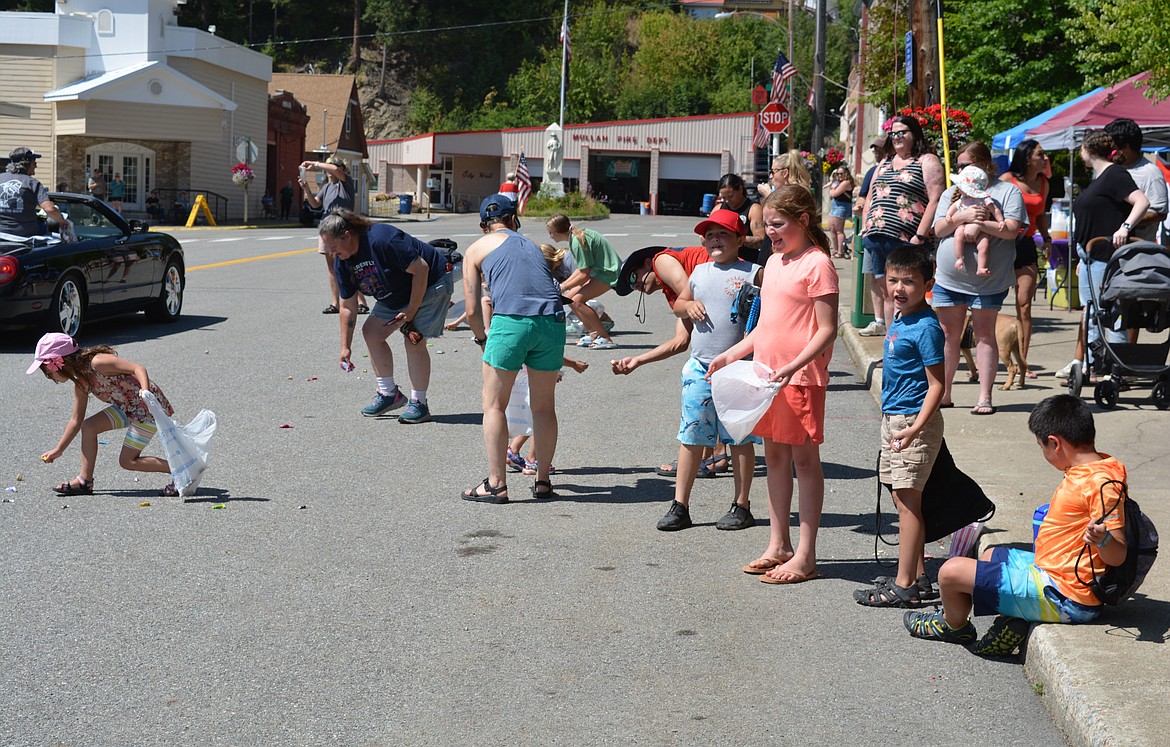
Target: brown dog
1007	335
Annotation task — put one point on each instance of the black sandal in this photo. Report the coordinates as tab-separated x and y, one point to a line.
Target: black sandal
889	594
330	309
363	309
83	487
491	496
546	493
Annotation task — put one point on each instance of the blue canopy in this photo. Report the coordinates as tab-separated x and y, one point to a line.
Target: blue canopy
1009	139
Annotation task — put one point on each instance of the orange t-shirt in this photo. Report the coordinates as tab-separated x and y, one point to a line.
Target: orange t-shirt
1076	502
787	319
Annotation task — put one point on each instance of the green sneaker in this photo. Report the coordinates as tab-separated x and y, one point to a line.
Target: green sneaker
415	412
1003	638
932	627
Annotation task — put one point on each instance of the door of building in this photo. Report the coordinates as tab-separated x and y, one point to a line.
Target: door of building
133	162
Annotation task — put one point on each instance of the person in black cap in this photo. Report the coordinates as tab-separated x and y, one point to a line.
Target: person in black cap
21	195
528	329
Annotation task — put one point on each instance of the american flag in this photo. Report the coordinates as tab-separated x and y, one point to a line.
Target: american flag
781	72
812	98
523	185
565	39
761	137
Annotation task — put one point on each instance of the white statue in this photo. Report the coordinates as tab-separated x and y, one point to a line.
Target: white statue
553	159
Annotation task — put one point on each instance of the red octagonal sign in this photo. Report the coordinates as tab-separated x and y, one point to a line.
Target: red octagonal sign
774	117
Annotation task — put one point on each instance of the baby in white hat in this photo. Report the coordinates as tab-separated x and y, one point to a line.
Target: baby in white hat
972	184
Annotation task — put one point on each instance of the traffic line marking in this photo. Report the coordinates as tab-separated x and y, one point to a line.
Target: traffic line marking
251	259
224	241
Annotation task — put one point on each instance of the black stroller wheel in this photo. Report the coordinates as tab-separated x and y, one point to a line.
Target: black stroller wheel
1105	394
1076	380
1162	395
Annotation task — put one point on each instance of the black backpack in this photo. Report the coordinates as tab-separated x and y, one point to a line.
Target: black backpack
1117	583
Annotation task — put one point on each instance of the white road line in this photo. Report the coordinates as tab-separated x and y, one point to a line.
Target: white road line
661	235
224	241
617	234
185	242
278	238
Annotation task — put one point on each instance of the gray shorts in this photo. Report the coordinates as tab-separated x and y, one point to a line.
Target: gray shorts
432	314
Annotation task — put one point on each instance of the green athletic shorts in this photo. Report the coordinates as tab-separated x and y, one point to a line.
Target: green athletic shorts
534	341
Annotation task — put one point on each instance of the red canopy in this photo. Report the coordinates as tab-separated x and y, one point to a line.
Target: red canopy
1125	100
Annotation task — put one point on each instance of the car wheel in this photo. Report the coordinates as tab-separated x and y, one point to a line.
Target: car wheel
69	305
169	304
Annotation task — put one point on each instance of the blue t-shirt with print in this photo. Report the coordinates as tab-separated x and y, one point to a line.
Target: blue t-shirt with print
378	269
913	342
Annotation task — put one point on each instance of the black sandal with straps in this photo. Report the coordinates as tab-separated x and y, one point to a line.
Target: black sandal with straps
491	496
546	493
81	486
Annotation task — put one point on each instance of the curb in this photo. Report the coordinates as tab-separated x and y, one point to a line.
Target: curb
1068	692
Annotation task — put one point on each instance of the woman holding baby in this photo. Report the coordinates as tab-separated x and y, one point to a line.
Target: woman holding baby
958	290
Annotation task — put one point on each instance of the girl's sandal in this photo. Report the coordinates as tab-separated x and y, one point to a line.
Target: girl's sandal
80	486
169	491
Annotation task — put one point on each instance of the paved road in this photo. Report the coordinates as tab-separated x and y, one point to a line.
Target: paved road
345	595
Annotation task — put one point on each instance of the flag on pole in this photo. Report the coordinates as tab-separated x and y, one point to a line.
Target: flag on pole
565	39
812	98
760	140
523	185
781	71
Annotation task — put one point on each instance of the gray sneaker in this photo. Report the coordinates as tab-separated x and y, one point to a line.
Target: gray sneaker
384	403
874	329
737	517
678	517
415	412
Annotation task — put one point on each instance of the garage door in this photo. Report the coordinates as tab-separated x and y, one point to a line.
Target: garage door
693	167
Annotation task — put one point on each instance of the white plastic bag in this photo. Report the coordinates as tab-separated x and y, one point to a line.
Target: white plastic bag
519	409
187	446
741	393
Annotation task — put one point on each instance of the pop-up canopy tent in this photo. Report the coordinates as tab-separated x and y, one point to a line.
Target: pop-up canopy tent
1126	99
1009	139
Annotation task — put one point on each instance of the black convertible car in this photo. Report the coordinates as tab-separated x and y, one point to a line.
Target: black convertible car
114	267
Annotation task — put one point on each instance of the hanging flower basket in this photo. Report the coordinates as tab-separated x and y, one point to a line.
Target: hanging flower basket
242	175
833	159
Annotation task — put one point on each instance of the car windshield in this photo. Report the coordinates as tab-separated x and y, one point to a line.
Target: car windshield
88	222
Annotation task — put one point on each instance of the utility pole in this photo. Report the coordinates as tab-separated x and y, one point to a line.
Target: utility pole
923	23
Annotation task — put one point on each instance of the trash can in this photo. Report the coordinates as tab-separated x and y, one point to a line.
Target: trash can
405	202
644	208
708	204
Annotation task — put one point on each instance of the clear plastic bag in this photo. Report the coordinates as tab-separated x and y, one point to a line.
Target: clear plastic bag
742	393
187	446
519	409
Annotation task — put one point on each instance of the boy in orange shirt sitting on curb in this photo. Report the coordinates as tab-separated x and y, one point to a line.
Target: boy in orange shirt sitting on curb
1084	529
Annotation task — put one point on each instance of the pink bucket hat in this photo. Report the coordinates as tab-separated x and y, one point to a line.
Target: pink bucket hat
51	349
972	181
723	218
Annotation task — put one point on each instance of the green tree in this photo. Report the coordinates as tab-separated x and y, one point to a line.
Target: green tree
1028	69
1119	38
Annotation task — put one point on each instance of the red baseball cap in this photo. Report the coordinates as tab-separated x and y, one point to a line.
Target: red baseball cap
723	218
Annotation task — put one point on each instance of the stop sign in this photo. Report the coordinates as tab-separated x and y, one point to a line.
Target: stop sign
774	117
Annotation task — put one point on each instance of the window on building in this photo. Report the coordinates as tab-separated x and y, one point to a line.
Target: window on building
105	22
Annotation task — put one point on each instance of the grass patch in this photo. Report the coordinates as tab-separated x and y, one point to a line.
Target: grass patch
573	204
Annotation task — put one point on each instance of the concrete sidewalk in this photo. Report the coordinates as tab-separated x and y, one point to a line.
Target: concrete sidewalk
1104	683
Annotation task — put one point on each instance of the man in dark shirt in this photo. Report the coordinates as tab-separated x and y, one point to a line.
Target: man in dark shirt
21	195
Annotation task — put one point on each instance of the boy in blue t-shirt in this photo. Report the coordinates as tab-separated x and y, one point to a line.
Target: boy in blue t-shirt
912	425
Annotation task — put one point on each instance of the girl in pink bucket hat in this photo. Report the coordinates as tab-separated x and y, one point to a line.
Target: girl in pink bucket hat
117	382
971	182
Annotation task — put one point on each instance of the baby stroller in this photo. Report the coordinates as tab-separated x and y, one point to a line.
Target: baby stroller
1135	294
